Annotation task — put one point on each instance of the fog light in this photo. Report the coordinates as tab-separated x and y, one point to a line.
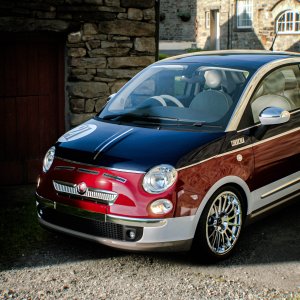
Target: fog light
131	234
161	206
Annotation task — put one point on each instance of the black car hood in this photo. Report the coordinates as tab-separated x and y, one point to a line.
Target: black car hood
135	148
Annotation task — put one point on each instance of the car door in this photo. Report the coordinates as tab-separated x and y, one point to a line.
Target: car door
276	148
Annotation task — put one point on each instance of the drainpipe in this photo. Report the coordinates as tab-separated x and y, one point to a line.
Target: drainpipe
230	25
157	6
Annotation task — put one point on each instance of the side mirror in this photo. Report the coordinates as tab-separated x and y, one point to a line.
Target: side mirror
274	116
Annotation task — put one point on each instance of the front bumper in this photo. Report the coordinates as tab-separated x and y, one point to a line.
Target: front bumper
172	234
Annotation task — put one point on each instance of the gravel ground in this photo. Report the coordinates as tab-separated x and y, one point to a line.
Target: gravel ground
36	264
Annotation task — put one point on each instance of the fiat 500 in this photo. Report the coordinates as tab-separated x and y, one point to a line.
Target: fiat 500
182	157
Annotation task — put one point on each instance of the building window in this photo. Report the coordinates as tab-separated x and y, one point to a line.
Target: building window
244	12
207	19
288	22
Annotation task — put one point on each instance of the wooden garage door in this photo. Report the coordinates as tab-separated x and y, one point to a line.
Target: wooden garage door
31	104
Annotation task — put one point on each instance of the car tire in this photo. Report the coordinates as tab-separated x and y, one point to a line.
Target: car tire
220	225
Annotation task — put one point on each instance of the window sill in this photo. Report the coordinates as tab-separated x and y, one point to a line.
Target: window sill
249	29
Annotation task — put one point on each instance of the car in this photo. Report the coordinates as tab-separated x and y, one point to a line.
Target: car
182	157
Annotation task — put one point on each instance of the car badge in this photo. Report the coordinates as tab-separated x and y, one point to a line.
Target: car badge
238	141
81	188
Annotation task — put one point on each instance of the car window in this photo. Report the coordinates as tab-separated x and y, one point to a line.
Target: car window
176	95
280	89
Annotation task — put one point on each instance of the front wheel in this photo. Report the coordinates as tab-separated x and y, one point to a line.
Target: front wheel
220	225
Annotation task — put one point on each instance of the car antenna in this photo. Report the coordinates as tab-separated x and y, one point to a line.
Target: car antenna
271	49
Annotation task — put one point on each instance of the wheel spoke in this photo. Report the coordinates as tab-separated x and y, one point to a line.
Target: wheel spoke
215	210
223	240
234	224
220	206
215	238
226	199
234	216
228	239
218	240
231	208
214	231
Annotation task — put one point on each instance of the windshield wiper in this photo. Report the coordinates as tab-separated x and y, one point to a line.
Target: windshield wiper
114	116
147	116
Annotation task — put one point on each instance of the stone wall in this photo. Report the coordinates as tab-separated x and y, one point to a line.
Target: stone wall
173	25
107	43
261	36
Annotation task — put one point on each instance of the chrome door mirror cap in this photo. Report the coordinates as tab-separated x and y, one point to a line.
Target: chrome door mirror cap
274	116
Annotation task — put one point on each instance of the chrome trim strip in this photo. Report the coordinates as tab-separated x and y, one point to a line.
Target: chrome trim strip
117	178
247	128
240	149
79	212
100	167
136	221
222	52
81	170
271	206
111	141
280	188
181	245
67	168
107	197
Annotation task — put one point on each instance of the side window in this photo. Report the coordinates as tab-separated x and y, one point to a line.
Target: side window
279	89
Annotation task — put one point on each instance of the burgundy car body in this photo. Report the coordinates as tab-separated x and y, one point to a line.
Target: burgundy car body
261	162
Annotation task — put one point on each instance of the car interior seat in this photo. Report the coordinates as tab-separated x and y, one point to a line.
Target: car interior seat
292	92
213	101
272	91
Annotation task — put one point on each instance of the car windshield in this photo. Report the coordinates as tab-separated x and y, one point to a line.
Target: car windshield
178	96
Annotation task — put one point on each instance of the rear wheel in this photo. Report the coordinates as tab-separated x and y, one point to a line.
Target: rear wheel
220	225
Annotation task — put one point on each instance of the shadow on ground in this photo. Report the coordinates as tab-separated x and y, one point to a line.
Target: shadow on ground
23	243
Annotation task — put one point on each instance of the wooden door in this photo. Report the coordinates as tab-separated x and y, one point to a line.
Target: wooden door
31	104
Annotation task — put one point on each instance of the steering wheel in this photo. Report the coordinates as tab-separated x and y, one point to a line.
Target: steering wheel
162	101
159	99
171	98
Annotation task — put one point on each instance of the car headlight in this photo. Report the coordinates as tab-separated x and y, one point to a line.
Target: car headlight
159	179
48	160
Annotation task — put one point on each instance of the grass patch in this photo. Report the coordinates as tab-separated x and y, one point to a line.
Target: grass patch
163	56
192	50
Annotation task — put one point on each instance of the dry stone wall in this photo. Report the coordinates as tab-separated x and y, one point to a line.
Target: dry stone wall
107	43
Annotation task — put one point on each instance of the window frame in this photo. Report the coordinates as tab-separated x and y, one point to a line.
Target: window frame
207	19
249	10
292	22
247	121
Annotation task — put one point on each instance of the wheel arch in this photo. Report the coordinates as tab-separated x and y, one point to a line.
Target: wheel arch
233	181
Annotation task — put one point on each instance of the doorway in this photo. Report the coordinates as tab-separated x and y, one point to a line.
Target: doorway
215	30
32	104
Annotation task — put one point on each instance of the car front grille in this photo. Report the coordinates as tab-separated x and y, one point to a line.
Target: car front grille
101	196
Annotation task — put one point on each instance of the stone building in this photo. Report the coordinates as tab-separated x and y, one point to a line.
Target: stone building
237	24
178	20
59	61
